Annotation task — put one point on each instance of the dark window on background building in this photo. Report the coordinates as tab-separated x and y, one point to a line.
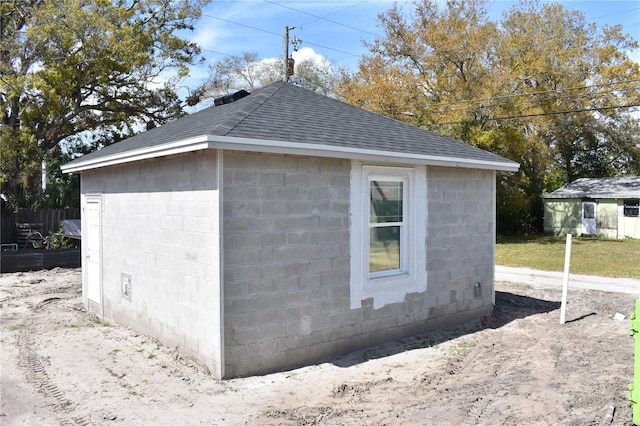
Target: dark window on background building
631	208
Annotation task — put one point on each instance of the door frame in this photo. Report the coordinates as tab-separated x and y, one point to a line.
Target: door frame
92	199
589	224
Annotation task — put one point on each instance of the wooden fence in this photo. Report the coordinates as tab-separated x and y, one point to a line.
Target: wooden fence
47	221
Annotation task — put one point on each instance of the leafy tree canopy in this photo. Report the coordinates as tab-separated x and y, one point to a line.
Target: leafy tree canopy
541	86
249	72
73	66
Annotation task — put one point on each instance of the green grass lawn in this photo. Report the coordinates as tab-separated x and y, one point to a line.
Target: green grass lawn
589	256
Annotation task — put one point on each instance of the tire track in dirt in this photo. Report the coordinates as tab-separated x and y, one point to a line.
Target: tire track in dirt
483	406
32	363
36	375
17	293
501	373
446	383
356	395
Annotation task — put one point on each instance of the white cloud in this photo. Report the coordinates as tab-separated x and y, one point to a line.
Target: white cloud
206	36
307	53
269	61
300	55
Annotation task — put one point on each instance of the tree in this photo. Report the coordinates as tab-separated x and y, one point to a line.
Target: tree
248	72
579	79
313	71
74	66
234	73
540	86
62	190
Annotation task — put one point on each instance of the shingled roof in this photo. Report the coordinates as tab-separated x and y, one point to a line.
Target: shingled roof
284	118
609	187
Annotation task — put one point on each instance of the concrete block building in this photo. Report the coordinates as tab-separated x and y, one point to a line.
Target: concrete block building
279	227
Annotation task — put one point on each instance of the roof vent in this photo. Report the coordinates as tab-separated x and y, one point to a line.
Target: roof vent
230	98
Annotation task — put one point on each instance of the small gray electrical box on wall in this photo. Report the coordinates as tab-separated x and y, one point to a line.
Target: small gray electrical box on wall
126	286
477	290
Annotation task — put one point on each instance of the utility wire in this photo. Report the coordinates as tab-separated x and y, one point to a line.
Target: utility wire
496	105
329	48
513	117
276	34
336	12
242	25
322	18
494	98
542	114
615	13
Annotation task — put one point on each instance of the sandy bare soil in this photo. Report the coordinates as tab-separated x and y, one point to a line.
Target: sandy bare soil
60	365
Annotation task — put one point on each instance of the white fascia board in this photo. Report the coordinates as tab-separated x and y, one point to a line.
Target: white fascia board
172	148
282	147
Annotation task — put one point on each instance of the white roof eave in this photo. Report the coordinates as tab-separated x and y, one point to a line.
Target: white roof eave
283	147
591	195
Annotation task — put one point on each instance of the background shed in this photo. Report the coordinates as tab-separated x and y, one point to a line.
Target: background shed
606	207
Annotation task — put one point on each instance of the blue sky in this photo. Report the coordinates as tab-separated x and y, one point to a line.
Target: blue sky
336	29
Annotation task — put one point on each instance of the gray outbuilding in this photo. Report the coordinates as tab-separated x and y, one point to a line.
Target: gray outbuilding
283	226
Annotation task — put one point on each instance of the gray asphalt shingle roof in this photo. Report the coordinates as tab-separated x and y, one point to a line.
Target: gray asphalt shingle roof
609	187
288	113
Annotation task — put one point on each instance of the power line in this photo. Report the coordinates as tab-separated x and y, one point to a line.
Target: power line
496	105
337	11
542	114
273	33
615	13
494	98
219	53
323	18
512	117
242	25
542	92
329	48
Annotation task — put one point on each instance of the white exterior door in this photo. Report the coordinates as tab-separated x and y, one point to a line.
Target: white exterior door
589	217
91	224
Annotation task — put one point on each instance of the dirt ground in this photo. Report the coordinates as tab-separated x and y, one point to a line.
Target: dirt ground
60	365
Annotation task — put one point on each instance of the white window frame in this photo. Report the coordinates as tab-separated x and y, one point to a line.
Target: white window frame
389	286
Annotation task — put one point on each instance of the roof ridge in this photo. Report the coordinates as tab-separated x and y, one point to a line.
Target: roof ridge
256	98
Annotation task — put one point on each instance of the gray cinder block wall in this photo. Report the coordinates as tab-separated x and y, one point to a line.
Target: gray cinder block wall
285	256
160	229
460	242
286	261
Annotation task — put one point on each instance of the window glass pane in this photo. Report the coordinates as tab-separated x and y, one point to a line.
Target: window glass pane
588	211
386	201
384	248
631	208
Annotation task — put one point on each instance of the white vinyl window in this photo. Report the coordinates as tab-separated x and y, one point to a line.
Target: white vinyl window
387	226
388	232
